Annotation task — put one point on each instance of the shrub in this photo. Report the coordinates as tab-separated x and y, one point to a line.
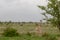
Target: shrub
45	35
10	32
36	24
28	33
21	24
49	36
58	35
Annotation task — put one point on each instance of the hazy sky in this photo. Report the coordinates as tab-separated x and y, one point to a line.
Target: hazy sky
21	10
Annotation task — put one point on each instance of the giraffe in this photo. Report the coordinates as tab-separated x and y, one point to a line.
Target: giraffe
39	28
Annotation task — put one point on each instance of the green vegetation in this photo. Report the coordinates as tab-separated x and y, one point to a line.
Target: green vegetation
10	32
27	37
28	30
53	9
14	31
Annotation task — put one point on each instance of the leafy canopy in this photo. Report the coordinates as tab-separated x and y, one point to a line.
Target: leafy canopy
53	9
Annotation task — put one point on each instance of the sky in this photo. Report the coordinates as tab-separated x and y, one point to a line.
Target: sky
21	10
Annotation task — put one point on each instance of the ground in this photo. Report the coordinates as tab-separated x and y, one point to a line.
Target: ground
23	28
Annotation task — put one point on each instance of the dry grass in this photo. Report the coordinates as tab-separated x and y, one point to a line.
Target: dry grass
29	27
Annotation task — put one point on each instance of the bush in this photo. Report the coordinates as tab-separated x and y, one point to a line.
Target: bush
45	35
29	34
36	24
58	35
10	32
21	24
49	36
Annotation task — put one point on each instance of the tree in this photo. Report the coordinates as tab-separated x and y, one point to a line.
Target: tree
53	9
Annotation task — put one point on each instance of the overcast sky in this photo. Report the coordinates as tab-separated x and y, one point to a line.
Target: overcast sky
21	10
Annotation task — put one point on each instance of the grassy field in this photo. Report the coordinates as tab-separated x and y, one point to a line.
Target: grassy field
24	28
27	37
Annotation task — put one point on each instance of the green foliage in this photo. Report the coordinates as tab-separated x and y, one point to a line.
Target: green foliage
25	37
42	7
58	35
29	34
36	24
53	9
45	35
21	24
10	32
49	36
